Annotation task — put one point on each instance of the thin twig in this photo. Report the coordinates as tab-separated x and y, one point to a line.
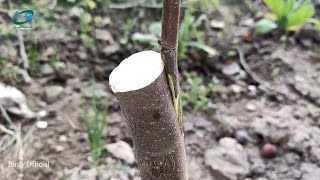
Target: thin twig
24	57
22	49
248	69
263	84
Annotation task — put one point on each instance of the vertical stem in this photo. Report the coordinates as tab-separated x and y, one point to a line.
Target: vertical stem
169	39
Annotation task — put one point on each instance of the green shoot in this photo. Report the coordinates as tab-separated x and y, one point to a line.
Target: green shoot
33	57
289	15
54	61
188	32
198	95
95	125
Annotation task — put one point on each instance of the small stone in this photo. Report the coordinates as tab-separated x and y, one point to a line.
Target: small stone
231	68
236	88
46	69
252	89
88	174
15	102
276	130
250	107
242	137
53	92
82	55
228	161
59	148
188	126
269	150
42	113
104	35
121	150
63	138
217	24
248	22
42	124
111	49
89	159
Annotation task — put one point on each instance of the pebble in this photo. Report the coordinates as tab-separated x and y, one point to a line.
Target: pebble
236	88
46	69
42	124
252	89
59	148
231	68
228	160
269	150
250	107
42	113
242	137
53	92
121	150
63	138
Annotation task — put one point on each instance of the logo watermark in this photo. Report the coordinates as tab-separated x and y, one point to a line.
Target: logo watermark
22	19
28	164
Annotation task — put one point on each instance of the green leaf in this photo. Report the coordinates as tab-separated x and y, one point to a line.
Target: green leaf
86	17
265	26
87	40
76	11
317	24
301	15
276	6
289	6
211	51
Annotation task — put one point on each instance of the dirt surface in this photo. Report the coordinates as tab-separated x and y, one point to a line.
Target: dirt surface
273	99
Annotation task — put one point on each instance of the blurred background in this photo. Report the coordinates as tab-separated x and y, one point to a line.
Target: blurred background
249	74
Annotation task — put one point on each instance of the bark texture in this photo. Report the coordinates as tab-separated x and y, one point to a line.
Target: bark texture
169	39
152	120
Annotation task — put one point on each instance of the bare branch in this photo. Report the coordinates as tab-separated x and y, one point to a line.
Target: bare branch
169	39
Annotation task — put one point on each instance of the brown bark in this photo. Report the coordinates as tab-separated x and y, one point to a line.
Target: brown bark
158	143
169	39
152	120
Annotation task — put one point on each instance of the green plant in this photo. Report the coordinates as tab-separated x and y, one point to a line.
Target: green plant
54	60
189	30
198	94
88	4
95	125
126	30
87	40
289	15
85	20
207	6
33	56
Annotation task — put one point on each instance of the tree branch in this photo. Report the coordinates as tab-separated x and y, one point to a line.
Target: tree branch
169	39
